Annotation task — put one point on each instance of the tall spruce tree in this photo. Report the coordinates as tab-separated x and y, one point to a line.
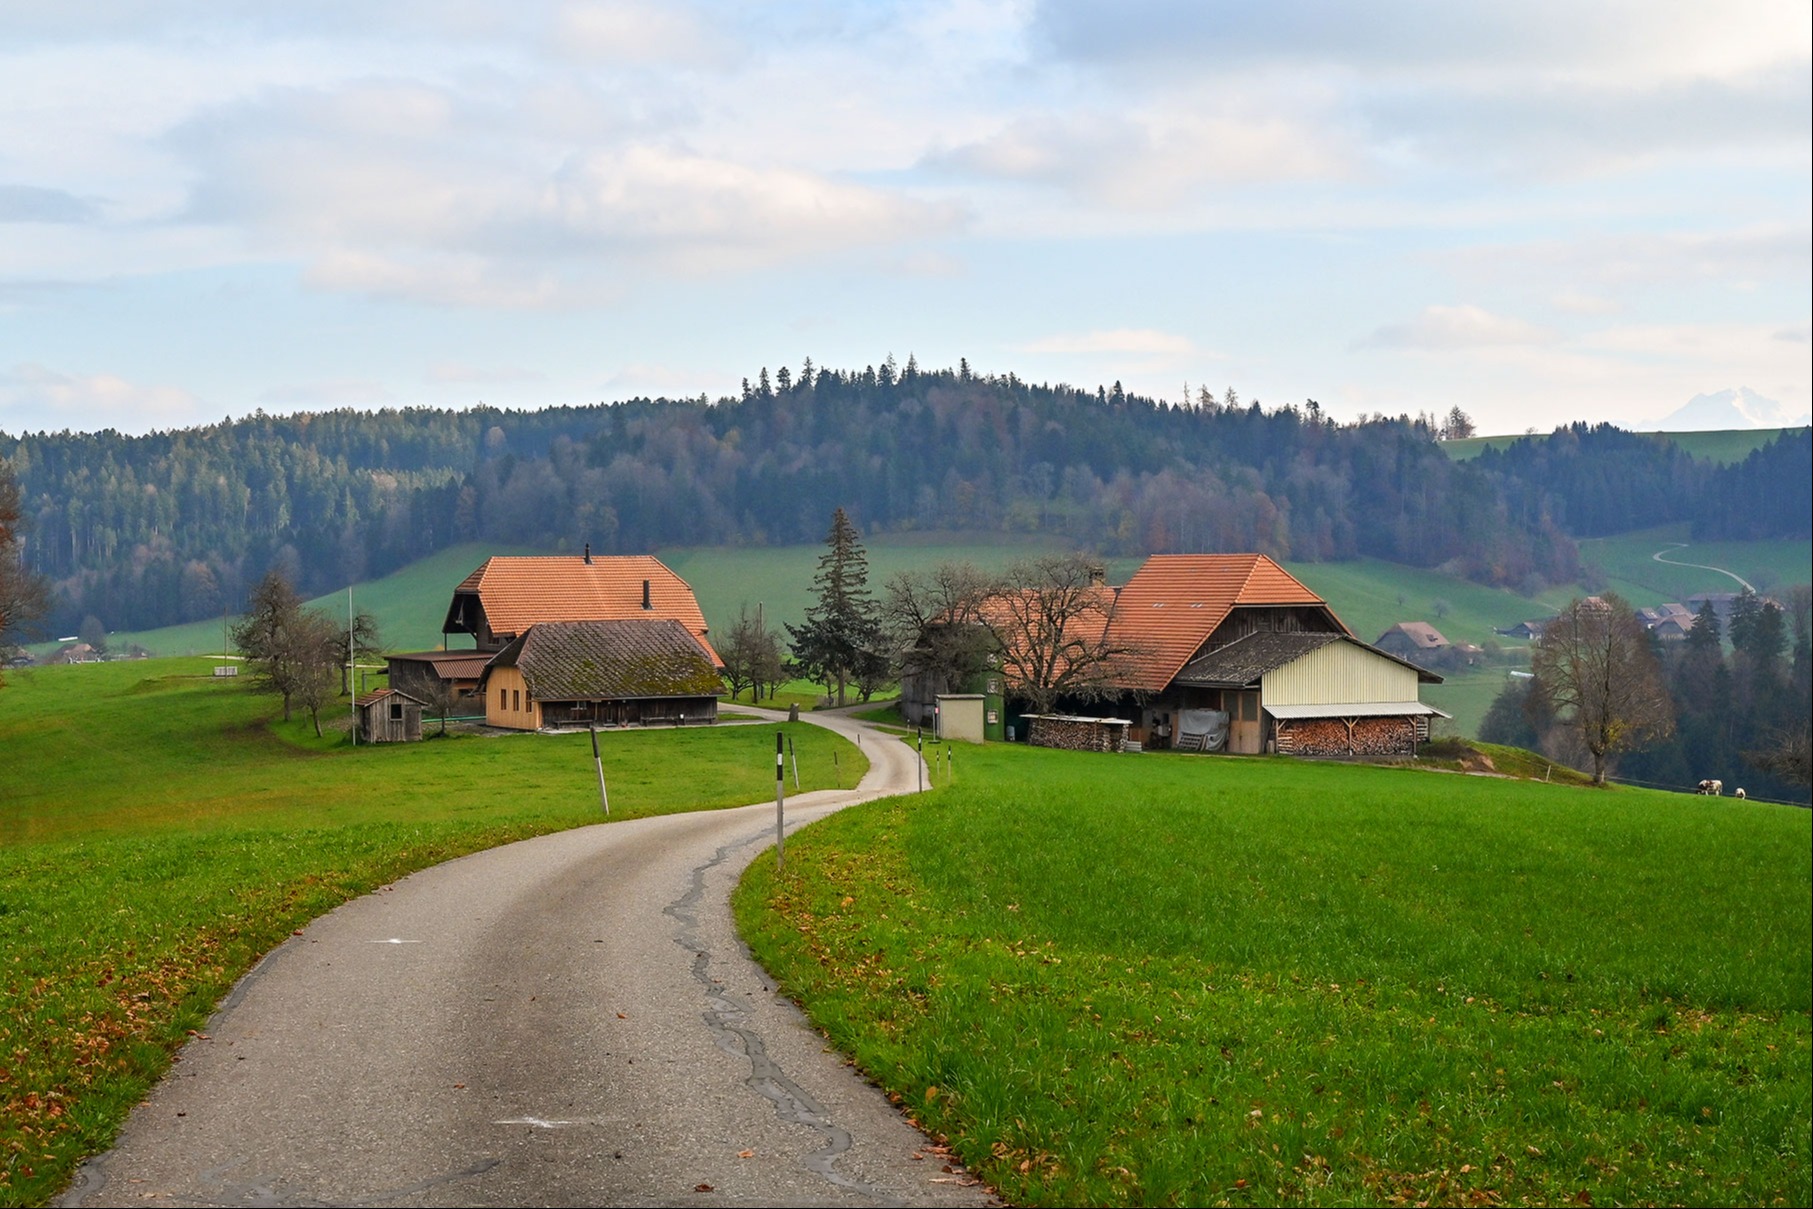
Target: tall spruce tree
841	636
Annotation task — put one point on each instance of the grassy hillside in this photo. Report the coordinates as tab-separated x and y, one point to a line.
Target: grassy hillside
1631	569
157	835
1724	446
1186	980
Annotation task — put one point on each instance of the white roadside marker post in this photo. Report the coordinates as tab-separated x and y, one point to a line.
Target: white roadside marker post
603	798
780	806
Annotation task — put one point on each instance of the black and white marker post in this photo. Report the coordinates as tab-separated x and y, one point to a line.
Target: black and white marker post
780	805
603	798
793	756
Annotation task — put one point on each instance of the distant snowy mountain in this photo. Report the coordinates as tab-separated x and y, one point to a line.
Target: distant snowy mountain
1740	408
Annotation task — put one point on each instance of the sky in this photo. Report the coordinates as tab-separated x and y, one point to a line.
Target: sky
1541	211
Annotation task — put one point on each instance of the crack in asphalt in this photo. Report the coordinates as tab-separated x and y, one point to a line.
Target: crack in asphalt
728	1022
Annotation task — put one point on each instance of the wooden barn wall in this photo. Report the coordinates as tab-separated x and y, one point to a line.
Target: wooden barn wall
500	694
1339	672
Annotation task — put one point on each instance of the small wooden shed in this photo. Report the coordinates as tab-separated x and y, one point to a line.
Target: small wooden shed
387	715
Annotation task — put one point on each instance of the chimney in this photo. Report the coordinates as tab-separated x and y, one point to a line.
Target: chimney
645	603
588	554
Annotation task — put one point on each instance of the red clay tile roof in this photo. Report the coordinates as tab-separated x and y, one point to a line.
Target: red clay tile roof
518	592
1174	602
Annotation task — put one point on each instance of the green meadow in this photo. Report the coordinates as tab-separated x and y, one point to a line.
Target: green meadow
1631	569
1175	980
159	833
1725	446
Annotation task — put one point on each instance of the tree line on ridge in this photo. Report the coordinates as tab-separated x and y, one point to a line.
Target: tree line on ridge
177	526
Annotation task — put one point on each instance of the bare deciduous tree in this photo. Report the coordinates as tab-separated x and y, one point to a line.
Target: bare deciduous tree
316	650
933	624
1051	620
293	652
1597	667
751	653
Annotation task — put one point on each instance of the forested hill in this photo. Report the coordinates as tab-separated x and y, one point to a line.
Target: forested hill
146	531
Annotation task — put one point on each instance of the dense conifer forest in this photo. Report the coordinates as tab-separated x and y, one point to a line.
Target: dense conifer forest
175	526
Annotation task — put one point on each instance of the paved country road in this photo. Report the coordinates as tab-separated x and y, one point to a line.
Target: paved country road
570	1020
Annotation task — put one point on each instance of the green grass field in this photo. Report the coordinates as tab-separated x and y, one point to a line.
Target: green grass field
1174	980
1724	446
1631	569
158	834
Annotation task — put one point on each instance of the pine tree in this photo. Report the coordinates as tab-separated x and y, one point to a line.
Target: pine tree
841	634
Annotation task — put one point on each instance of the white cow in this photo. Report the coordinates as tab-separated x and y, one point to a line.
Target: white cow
1713	788
1740	793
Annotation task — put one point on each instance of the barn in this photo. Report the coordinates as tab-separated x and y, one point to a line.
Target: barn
607	673
1230	652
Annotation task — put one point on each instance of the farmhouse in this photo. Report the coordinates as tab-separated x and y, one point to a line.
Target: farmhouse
1235	641
1231	652
1417	641
1669	622
505	596
609	673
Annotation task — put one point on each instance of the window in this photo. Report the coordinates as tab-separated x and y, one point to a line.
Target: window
396	711
516	699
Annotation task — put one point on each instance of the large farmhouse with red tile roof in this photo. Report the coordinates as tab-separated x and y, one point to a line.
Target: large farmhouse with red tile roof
1232	652
571	640
506	595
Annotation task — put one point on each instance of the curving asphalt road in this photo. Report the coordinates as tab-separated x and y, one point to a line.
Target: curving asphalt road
570	1020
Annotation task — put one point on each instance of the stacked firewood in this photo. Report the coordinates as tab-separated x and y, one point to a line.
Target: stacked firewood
1343	737
1076	734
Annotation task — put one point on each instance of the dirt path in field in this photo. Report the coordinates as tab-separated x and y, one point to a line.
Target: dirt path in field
1657	557
568	1020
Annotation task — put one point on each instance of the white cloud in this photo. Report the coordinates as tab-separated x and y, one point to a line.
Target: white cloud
629	32
1579	302
1457	328
1148	160
41	398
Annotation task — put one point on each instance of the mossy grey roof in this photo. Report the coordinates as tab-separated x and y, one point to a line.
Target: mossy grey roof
1246	659
610	661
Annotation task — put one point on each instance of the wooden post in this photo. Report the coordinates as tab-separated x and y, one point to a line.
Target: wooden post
603	798
780	807
837	769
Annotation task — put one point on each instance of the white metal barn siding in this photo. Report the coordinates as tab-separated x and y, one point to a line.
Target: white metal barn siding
1341	672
